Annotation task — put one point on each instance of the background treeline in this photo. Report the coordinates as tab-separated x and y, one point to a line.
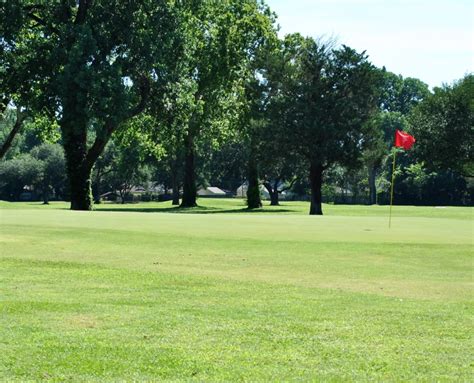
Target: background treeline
102	101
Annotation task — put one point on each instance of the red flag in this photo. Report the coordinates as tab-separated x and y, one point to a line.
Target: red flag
404	140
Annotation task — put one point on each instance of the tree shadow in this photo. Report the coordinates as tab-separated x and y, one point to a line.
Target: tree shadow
191	210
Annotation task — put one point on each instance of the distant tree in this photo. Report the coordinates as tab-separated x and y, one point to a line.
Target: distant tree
252	120
172	107
254	199
280	165
167	171
397	97
226	165
17	173
53	169
102	167
334	93
443	126
131	154
128	170
400	94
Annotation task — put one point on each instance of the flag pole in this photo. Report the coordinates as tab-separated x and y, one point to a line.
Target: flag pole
391	192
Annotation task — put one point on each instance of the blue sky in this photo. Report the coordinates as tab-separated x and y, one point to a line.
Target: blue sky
432	40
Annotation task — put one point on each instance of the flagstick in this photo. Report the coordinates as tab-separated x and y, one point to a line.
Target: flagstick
391	193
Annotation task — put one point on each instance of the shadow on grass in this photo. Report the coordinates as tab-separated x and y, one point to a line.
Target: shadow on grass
190	210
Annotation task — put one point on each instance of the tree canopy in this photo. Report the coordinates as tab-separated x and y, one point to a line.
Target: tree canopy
444	127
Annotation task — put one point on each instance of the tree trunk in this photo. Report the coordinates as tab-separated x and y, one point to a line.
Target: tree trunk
372	187
78	168
96	190
45	196
254	200
80	182
175	187
189	187
316	181
45	192
273	192
274	198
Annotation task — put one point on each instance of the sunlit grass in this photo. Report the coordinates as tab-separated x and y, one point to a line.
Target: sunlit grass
230	295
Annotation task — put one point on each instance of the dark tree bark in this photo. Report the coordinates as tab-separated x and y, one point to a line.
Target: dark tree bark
254	200
175	201
11	136
274	198
46	195
316	181
273	192
372	187
189	186
175	187
80	184
96	186
78	170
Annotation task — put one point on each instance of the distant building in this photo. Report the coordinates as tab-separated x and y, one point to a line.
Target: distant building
211	191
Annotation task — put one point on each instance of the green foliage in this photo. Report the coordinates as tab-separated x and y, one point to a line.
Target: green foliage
335	96
90	64
401	94
226	166
443	126
128	167
45	128
17	173
42	170
219	42
53	169
323	101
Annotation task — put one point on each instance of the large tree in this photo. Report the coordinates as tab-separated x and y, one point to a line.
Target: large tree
443	125
279	163
91	62
221	37
334	91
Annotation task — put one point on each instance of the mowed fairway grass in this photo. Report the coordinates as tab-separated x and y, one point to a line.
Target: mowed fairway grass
148	292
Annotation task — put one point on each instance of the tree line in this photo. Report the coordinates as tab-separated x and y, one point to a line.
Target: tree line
196	92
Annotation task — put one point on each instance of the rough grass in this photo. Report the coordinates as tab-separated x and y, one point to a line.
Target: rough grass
221	294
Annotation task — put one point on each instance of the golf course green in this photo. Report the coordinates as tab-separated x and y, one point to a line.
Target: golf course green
217	293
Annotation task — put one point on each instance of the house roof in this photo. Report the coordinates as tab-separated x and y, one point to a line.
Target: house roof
215	190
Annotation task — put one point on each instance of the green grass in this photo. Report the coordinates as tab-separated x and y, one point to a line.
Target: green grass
220	294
